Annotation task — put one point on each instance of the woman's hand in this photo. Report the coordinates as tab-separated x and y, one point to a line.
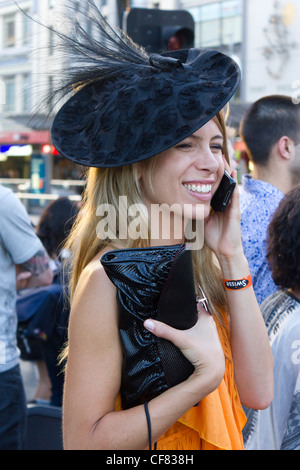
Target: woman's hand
222	229
200	344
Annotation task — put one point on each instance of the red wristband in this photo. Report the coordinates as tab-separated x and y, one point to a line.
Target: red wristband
238	284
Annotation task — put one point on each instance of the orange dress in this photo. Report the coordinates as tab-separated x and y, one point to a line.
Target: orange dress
217	422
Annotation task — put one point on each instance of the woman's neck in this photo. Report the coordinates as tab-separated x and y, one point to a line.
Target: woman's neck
165	241
166	229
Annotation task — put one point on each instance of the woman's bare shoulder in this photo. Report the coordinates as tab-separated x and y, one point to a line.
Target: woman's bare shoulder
95	295
94	356
93	279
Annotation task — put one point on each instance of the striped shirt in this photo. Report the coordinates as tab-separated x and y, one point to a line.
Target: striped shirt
278	426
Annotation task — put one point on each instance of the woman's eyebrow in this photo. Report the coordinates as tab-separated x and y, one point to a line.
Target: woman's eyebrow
219	136
198	137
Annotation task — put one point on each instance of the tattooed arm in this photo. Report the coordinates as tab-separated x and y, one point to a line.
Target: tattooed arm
35	272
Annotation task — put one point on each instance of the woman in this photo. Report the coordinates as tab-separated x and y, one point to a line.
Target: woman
152	130
54	226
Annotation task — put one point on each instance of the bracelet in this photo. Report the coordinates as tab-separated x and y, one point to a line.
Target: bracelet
149	426
238	284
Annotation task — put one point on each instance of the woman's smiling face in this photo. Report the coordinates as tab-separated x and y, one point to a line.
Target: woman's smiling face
187	174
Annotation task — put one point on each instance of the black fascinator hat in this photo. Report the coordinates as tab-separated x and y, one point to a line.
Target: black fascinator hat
127	105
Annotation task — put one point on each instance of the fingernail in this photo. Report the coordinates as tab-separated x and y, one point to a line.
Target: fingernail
149	325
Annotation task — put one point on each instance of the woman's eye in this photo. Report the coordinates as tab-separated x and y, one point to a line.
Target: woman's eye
183	146
217	148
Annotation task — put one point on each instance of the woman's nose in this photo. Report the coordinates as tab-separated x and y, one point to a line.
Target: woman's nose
207	161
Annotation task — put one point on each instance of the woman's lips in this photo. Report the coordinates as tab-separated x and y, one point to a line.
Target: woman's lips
202	190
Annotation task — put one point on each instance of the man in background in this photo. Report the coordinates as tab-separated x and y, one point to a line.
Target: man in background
270	130
22	256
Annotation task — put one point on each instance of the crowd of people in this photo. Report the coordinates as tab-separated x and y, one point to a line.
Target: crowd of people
270	217
43	312
152	129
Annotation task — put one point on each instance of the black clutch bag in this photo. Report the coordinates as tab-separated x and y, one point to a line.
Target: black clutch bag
152	283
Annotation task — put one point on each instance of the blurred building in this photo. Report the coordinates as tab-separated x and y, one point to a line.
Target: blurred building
26	59
263	36
272	48
29	66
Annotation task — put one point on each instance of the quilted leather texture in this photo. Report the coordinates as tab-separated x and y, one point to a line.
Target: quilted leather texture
151	283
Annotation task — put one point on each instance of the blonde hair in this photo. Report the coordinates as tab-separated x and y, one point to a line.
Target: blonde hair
106	185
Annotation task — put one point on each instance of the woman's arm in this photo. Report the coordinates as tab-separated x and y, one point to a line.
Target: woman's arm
253	362
93	372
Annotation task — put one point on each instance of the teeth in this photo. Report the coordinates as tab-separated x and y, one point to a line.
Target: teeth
200	188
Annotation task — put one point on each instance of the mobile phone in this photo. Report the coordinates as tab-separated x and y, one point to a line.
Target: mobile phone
223	194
